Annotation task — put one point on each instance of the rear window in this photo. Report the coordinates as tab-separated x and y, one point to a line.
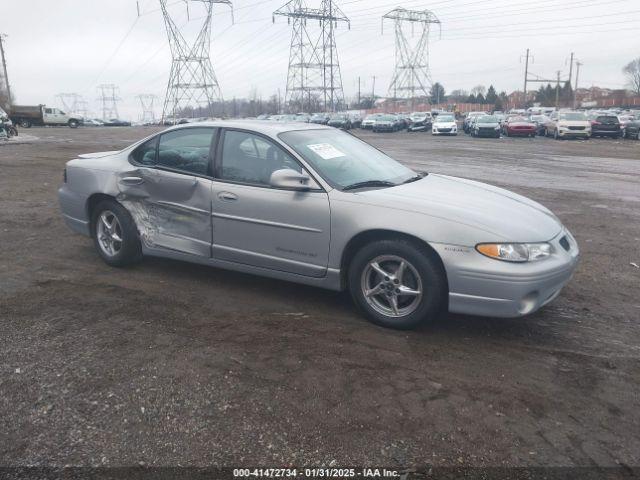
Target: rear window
607	118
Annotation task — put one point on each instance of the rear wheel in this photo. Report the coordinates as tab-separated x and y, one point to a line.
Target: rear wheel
396	284
24	123
115	235
73	123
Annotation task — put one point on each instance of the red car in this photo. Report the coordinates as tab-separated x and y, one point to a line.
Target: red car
518	126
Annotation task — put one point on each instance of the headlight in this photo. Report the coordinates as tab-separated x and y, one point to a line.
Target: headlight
515	252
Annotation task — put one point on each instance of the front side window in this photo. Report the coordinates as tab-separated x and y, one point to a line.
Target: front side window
48	111
187	149
343	159
250	158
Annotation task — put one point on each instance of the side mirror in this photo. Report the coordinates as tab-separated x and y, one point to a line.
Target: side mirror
291	180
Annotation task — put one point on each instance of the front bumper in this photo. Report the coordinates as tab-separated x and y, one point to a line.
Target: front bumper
487	132
566	133
479	285
444	131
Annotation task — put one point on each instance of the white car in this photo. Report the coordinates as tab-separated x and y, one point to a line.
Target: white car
444	124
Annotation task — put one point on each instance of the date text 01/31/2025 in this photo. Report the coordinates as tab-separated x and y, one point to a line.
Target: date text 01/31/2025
315	473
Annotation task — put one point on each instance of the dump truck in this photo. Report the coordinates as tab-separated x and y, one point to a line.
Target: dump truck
41	115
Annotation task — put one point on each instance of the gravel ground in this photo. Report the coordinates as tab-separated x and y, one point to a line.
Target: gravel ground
175	364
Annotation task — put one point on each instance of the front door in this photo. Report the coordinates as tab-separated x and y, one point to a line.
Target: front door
258	225
168	191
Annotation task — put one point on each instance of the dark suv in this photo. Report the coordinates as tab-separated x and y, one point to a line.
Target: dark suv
606	126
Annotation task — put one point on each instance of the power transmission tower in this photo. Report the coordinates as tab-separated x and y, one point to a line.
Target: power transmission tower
109	98
73	103
314	76
147	102
192	82
411	77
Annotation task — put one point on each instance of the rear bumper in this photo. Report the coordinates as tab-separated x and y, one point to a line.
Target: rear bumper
482	286
72	206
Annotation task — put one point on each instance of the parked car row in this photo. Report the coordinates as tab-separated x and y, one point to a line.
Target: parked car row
557	124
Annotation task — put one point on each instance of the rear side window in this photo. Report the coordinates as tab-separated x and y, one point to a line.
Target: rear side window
187	150
145	154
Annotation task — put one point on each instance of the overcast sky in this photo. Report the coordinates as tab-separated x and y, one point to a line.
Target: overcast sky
75	45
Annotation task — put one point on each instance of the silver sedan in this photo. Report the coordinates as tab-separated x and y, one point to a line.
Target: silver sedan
314	205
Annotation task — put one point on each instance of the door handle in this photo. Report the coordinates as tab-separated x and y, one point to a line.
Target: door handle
227	196
132	180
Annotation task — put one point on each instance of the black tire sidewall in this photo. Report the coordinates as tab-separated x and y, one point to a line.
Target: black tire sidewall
131	250
433	282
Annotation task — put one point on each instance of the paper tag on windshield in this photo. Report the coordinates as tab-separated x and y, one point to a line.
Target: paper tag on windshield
326	150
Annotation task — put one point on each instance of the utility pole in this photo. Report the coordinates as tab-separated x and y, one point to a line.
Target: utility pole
526	76
571	68
575	90
558	89
4	68
358	91
373	91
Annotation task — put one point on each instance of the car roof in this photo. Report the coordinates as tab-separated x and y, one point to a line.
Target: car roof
260	126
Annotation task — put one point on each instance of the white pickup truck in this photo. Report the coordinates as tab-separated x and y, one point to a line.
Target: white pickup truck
41	115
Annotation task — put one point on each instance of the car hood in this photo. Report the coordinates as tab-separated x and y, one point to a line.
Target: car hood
520	124
444	124
487	125
574	123
501	214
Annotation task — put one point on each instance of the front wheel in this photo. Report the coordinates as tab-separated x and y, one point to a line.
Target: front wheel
396	284
555	134
115	235
73	123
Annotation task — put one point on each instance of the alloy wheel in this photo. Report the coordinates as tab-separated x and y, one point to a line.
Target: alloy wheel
392	286
109	233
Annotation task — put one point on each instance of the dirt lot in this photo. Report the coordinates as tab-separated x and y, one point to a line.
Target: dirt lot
175	364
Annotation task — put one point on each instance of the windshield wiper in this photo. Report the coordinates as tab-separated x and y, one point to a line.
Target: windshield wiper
369	183
420	176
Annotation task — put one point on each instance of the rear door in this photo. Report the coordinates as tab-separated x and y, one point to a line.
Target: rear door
168	190
258	225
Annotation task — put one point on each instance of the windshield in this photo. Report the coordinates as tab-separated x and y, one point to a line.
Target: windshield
387	118
445	118
487	119
343	159
576	116
518	119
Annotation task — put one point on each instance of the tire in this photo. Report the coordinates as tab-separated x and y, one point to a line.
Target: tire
638	134
555	134
506	132
73	123
422	273
127	250
13	131
24	123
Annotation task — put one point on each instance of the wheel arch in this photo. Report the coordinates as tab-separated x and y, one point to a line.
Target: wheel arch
92	202
368	236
